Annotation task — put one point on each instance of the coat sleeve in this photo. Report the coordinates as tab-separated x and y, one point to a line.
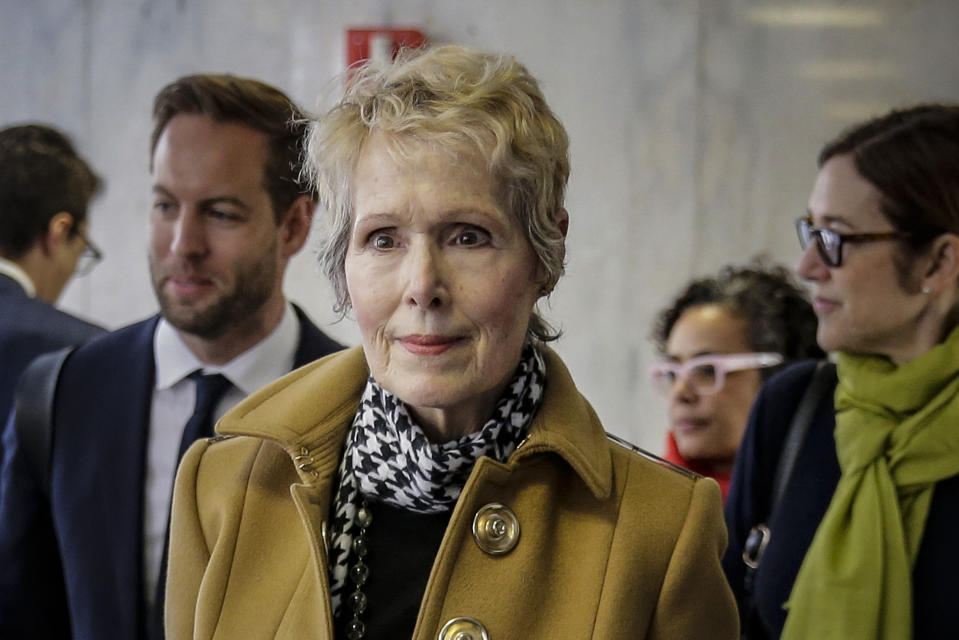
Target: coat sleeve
189	553
695	601
32	591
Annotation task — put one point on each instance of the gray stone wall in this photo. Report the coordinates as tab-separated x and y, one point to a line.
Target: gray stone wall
694	127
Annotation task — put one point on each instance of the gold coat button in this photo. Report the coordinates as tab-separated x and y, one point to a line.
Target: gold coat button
496	529
463	629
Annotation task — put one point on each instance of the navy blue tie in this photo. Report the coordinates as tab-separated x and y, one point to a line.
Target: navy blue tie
209	389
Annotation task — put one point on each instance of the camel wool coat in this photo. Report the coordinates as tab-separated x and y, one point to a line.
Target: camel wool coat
613	545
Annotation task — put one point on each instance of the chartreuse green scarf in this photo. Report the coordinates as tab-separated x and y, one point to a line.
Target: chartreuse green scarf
897	434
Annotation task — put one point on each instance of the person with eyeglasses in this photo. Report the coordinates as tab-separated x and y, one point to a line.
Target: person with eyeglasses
861	540
719	339
45	192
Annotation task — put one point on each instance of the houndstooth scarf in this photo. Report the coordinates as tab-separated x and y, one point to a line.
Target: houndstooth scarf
389	459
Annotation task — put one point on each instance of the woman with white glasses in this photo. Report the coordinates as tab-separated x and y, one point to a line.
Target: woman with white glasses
720	338
860	542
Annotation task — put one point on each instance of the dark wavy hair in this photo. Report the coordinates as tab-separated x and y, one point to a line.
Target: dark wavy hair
777	311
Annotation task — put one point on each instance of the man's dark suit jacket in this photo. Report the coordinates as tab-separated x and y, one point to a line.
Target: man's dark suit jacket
29	328
73	566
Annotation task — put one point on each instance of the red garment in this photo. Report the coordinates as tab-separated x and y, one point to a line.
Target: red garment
672	455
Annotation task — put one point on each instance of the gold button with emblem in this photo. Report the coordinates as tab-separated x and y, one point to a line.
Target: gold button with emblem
463	629
496	529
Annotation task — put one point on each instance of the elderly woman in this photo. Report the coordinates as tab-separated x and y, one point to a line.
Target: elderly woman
861	543
446	480
720	339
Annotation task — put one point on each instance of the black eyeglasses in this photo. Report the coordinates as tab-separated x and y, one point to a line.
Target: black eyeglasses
90	257
829	243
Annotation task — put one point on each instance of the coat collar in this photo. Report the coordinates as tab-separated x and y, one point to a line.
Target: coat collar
567	425
309	412
264	362
13	271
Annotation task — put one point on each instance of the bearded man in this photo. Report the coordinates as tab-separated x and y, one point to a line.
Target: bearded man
86	557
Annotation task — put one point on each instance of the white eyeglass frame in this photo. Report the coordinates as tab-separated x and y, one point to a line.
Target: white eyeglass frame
722	364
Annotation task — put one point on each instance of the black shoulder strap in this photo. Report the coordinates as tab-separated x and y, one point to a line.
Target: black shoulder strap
33	412
823	378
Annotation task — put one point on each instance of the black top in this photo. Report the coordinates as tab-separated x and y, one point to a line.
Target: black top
804	503
403	546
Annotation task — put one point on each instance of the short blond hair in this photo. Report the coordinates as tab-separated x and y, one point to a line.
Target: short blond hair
449	97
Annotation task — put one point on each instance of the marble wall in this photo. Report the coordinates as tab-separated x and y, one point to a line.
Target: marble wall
694	127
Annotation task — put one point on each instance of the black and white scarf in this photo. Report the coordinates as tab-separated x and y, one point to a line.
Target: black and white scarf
389	459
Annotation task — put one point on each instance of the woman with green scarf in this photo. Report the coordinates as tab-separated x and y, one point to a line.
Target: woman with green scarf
861	541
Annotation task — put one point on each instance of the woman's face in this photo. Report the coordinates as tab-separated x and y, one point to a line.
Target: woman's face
708	428
442	282
861	305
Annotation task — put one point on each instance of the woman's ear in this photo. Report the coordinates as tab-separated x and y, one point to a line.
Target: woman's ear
562	221
943	270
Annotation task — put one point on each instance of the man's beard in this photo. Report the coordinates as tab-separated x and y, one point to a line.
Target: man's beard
253	285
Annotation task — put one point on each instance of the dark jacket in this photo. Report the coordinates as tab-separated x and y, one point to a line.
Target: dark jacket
805	500
29	328
72	567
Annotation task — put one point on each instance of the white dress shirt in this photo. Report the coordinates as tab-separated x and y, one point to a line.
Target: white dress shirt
13	270
174	395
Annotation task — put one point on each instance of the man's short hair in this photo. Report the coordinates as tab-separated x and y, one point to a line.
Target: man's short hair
251	103
41	175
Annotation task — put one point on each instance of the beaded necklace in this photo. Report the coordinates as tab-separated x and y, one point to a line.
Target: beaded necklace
359	573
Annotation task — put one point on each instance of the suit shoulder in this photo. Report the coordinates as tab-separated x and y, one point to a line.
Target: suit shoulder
793	378
779	396
32	317
314	344
117	363
119	342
